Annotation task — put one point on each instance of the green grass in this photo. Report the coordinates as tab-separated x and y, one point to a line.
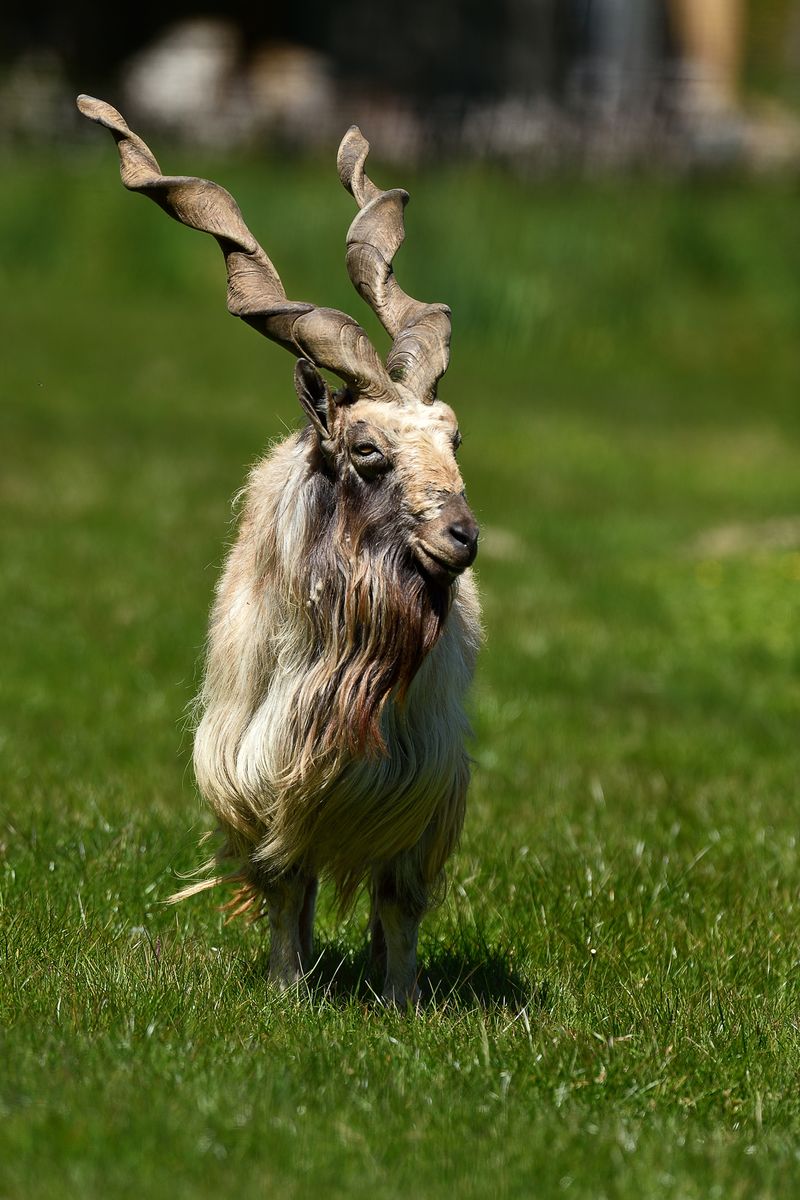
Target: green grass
614	977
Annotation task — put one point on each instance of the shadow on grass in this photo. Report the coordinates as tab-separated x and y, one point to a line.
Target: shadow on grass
447	979
483	979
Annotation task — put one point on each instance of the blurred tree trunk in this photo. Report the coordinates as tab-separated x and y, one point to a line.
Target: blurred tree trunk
711	36
618	62
772	50
530	47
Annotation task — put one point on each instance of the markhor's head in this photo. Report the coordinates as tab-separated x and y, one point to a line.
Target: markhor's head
393	465
385	442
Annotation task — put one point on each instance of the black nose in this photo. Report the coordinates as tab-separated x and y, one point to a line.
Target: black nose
464	533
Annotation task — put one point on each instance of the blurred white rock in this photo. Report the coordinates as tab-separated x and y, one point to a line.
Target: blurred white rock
186	80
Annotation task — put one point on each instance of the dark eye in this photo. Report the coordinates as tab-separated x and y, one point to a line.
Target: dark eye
457	440
368	459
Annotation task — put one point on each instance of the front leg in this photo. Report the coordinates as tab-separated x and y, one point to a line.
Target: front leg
286	907
307	923
398	905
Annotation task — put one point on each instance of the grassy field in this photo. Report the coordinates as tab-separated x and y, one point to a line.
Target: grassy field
614	976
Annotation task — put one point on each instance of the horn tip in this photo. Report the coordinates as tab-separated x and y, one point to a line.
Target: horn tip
353	135
353	149
87	105
100	111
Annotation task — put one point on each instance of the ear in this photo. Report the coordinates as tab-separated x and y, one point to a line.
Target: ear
312	392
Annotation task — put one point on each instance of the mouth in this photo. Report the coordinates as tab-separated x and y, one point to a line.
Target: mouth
434	565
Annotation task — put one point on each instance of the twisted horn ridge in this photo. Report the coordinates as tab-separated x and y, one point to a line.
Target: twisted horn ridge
329	338
421	332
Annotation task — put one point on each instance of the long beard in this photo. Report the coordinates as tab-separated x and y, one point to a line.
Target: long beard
374	617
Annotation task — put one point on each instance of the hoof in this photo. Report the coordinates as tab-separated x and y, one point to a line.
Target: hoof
402	998
285	981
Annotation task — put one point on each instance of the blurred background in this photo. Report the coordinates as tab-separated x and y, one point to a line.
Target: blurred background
531	83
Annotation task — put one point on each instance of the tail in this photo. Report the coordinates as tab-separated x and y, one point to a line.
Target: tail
248	899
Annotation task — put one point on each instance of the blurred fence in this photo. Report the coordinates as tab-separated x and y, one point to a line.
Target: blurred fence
533	82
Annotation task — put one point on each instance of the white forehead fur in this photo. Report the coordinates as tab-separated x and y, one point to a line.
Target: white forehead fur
406	417
421	437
